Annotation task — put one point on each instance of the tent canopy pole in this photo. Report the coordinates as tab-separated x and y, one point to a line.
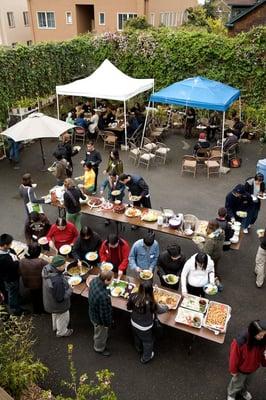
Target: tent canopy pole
43	157
57	105
145	124
125	119
222	148
239	104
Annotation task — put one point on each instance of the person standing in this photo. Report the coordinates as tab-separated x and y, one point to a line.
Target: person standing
214	241
239	200
144	253
88	178
255	187
26	191
112	183
62	232
247	354
223	221
213	125
88	241
94	157
9	274
116	251
30	269
197	272
261	261
137	187
65	147
144	310
36	227
100	310
56	295
171	261
114	164
72	198
60	171
190	122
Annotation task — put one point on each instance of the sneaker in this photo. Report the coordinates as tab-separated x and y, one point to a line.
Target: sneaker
68	333
245	230
105	352
230	398
259	285
246	396
146	361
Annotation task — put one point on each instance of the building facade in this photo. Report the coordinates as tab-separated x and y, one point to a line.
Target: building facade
14	23
246	14
64	19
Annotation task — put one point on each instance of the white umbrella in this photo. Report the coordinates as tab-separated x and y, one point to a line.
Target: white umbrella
37	126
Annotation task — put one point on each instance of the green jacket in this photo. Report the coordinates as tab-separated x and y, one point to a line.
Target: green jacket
213	244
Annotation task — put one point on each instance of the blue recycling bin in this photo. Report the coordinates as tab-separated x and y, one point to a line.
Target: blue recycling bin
261	167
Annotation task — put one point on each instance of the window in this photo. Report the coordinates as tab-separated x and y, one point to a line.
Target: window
10	19
122	18
168	19
68	17
29	42
26	18
101	18
152	19
46	19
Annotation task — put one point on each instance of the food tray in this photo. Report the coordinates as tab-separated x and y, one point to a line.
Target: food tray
201	228
217	317
126	287
150	216
95	202
137	212
193	303
165	297
191	318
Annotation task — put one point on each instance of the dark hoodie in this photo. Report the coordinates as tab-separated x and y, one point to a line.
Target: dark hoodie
8	266
56	290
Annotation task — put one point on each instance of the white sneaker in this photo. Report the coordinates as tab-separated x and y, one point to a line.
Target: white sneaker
230	398
246	396
245	230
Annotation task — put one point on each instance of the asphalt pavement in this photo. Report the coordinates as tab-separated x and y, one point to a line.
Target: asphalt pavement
173	374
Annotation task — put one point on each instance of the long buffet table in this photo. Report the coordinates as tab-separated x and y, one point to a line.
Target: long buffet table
166	318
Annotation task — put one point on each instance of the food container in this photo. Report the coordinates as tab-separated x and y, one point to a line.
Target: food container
175	222
73	269
191	318
160	220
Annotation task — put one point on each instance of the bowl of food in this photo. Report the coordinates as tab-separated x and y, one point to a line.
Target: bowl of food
175	222
117	202
116	192
171	279
74	269
146	274
260	232
132	212
210	289
150	216
106	266
65	249
74	280
134	198
43	240
84	201
91	256
241	214
188	232
117	291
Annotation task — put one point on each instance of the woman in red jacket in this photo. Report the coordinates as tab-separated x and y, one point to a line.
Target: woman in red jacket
247	354
116	251
62	232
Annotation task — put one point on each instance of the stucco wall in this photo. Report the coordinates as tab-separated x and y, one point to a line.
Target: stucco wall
18	34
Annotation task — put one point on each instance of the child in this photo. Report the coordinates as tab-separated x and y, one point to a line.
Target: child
223	220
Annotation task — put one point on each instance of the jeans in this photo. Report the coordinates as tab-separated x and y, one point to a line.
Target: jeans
238	384
143	342
100	337
14	151
75	219
96	170
12	289
60	323
260	266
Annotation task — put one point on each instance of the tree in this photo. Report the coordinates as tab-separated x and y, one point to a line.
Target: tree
137	23
210	8
197	16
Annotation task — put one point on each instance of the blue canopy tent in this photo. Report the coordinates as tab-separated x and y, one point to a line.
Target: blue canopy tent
197	92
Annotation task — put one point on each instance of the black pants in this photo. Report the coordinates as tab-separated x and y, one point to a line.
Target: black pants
96	170
143	342
211	132
196	291
143	202
37	302
164	284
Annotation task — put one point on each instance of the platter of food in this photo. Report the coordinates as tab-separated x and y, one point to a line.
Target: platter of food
134	198
166	297
43	240
121	288
95	202
201	228
150	216
18	247
195	303
241	214
65	249
191	318
171	279
116	192
262	196
210	289
91	255
73	269
260	232
106	266
107	206
146	274
117	291
74	280
119	208
198	239
217	316
132	212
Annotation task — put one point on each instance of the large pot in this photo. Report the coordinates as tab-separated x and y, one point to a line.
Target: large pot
85	268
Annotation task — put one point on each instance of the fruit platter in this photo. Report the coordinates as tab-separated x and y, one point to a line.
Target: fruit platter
191	318
195	303
132	212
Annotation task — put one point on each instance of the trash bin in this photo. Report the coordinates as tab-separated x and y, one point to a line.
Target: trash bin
261	167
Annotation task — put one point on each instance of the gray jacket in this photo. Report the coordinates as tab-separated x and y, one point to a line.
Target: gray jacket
56	290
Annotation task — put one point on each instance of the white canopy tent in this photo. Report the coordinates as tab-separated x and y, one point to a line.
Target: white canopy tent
107	82
37	126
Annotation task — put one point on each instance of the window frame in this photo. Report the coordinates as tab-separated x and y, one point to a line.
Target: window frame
152	19
29	42
133	15
26	18
69	23
101	13
10	14
46	19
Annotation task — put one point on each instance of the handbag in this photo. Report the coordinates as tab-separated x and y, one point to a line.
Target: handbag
33	206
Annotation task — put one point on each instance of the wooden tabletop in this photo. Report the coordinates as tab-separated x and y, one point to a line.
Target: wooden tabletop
166	318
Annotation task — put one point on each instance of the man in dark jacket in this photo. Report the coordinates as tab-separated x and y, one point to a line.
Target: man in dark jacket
56	295
137	187
100	310
94	158
65	147
9	274
239	200
36	227
171	261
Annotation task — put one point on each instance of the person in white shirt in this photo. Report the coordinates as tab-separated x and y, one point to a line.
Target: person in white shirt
197	272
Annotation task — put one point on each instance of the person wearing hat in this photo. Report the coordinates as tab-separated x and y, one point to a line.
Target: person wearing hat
202	143
255	187
56	295
239	200
247	354
144	253
171	261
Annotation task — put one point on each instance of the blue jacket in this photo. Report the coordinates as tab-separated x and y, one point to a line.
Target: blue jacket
106	184
143	256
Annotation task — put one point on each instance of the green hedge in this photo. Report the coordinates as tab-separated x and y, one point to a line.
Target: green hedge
167	55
